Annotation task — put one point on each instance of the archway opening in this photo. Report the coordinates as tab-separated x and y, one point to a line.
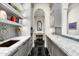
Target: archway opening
39	17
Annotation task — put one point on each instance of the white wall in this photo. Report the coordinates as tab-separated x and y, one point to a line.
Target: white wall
57	14
25	30
55	17
64	18
73	16
52	19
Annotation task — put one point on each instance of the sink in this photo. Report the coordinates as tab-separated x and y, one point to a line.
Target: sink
8	43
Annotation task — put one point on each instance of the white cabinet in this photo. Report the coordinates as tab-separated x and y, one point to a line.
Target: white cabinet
53	49
19	51
24	49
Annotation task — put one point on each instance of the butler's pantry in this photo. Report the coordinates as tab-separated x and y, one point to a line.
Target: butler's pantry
39	29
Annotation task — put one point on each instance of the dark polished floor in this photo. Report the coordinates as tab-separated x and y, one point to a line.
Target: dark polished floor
39	52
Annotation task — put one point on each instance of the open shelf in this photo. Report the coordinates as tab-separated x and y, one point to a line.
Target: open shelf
9	22
9	9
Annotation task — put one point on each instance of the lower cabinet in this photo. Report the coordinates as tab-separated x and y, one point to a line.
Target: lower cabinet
57	51
53	49
25	49
19	52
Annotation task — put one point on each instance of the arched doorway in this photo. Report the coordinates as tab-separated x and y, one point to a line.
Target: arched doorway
39	17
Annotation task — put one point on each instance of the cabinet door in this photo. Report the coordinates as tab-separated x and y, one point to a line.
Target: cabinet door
20	51
25	49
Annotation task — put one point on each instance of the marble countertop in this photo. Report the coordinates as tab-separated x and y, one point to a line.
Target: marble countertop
70	47
6	51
